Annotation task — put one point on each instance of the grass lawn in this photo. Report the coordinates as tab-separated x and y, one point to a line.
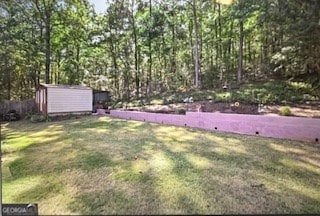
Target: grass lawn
102	165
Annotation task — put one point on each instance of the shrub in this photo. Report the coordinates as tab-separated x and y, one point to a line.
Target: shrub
182	111
285	111
40	118
65	117
29	115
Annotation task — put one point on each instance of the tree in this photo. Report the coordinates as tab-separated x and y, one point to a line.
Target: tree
196	44
45	9
140	48
240	64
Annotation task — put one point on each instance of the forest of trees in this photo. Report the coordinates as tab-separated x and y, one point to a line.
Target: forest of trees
142	47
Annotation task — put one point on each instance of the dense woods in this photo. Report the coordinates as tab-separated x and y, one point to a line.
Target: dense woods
139	48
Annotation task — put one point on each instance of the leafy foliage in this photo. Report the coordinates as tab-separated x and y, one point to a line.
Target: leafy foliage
272	92
285	111
138	49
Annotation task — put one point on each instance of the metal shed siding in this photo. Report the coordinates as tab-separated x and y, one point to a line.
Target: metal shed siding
62	100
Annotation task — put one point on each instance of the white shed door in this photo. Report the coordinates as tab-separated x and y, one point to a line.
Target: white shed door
69	100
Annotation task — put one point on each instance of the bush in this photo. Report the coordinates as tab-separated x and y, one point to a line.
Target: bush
182	111
285	111
40	118
64	117
29	115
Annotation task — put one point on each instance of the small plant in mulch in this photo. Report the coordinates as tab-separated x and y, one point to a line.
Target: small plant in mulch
285	111
181	111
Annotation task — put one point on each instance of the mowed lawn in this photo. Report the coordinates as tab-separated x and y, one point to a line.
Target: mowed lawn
104	165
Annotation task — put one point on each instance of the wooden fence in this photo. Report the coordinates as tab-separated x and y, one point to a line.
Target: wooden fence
22	107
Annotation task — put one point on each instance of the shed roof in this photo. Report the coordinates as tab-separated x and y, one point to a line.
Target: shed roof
66	86
100	91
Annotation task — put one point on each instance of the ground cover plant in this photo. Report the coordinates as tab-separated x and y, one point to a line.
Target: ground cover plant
273	97
103	165
268	92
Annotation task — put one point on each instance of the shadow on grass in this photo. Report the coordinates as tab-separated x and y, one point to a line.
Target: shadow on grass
48	186
140	168
283	172
115	200
252	181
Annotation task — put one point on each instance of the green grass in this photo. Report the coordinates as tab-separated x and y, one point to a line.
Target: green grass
110	166
271	92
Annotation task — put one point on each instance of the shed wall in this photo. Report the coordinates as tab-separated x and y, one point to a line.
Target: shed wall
62	100
41	100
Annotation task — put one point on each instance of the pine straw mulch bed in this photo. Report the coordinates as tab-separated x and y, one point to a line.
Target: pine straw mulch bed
306	110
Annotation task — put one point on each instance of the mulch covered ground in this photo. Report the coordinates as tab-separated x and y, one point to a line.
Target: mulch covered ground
307	110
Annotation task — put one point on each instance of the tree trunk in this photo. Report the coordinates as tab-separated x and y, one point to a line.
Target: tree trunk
149	77
220	41
249	52
196	45
58	69
163	56
113	50
41	44
77	64
8	80
229	56
240	63
136	62
217	43
191	40
173	43
48	46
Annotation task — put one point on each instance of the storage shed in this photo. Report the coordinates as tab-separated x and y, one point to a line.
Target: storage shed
101	96
63	99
